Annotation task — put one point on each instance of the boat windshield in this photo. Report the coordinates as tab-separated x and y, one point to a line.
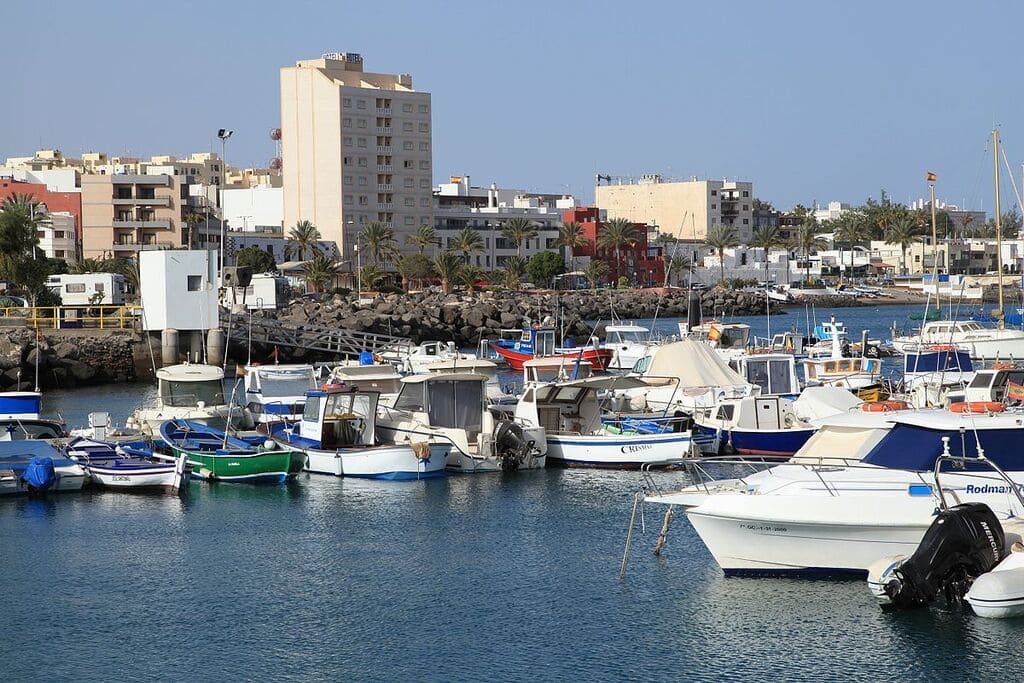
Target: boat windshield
180	394
292	384
627	337
456	404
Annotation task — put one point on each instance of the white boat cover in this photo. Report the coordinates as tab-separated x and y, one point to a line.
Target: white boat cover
815	403
694	363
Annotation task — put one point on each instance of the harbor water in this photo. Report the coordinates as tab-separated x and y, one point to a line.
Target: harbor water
474	577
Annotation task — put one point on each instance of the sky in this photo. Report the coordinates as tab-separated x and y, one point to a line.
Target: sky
811	101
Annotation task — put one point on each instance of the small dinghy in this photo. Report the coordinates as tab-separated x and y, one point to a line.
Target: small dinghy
37	467
217	456
128	467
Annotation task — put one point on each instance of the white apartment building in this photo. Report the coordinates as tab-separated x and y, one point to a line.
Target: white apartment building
686	209
57	240
831	212
255	209
457	205
356	149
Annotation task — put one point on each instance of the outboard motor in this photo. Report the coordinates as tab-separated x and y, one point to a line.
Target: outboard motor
39	476
962	543
510	445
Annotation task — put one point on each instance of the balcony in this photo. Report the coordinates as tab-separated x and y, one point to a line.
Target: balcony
385	207
386	149
384	111
383	131
384	168
141	201
150	225
382	187
147	246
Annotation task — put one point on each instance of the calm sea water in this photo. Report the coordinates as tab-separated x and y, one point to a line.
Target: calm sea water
485	577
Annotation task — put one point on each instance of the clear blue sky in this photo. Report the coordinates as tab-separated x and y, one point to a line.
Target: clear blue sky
810	100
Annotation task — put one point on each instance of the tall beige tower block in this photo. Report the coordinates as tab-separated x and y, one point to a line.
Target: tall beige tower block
356	149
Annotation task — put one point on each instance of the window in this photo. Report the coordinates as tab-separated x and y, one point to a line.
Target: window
407	107
714	192
362	181
409	201
98	287
424	127
349	199
424	202
362	200
408	182
74	288
362	123
745	193
58	234
347	121
361	104
58	253
347	140
347	102
407	126
410	398
195	283
746	221
424	146
348	160
407	164
409	220
407	145
362	142
424	165
746	207
714	206
424	184
348	179
362	162
423	109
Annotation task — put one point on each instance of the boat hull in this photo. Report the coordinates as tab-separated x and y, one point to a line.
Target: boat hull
168	477
375	462
599	359
755	442
616	451
264	467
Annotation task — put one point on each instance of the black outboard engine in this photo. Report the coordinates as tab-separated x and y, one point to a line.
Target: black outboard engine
510	445
962	543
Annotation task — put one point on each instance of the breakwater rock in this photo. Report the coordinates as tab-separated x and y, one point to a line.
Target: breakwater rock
65	358
467	317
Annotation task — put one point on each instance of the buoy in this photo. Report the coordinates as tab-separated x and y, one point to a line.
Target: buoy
883	406
977	407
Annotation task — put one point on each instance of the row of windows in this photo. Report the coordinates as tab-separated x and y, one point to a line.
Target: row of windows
746	193
746	207
363	200
407	126
364	162
363	219
384	103
408	183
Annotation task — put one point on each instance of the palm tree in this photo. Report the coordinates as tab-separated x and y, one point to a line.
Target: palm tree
595	270
570	236
320	271
469	275
615	234
413	267
514	268
851	227
766	237
965	221
86	265
379	240
467	241
23	216
680	265
806	239
370	275
304	236
720	238
519	230
903	233
447	266
191	220
424	237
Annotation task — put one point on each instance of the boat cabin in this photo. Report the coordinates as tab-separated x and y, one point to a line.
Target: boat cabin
20	405
787	342
626	334
754	413
340	418
187	385
937	364
538	341
278	390
734	336
447	400
1001	383
570	408
554	368
829	370
827	330
775	373
383	379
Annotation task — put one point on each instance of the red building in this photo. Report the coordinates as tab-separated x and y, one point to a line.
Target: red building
642	263
54	201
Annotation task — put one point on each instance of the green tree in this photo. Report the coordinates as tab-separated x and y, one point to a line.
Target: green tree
678	264
903	233
615	234
191	221
570	236
805	239
371	276
720	238
303	237
18	238
379	240
447	265
517	231
469	275
466	241
766	237
320	271
413	268
596	270
543	266
259	260
514	269
425	236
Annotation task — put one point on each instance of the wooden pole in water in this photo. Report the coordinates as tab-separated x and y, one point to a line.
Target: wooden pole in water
629	536
664	530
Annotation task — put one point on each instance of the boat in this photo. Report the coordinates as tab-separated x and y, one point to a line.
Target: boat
728	339
834	508
216	456
337	434
128	467
932	372
982	343
450	410
629	342
858	372
773	373
192	392
416	360
762	425
535	342
382	378
37	467
580	435
275	393
20	420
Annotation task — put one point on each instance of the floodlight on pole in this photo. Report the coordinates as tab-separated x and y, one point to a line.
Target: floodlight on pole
223	134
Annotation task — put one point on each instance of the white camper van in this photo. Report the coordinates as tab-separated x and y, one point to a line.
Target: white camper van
266	291
88	289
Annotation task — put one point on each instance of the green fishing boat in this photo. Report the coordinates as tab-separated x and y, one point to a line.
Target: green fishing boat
215	456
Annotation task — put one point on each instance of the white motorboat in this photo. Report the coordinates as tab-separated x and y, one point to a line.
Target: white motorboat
826	511
774	373
37	467
854	373
338	435
275	393
982	343
193	392
124	468
759	425
450	410
414	360
382	378
578	435
629	342
728	339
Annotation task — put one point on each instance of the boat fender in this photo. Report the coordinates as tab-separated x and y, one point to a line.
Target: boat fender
1004	366
269	445
883	406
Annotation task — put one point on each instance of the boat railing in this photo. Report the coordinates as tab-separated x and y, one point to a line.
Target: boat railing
960	462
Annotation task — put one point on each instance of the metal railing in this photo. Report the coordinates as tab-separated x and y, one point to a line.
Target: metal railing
101	317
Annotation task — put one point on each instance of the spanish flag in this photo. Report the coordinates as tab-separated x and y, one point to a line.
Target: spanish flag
931	177
714	334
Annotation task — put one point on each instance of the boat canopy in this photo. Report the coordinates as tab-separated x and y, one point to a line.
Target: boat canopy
693	363
187	372
815	403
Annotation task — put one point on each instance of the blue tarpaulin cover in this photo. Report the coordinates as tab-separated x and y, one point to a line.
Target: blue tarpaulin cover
39	474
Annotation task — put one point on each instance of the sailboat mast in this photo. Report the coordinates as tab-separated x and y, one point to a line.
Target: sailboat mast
999	225
935	249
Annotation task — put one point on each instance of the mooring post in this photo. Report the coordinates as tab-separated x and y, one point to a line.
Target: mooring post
637	498
664	530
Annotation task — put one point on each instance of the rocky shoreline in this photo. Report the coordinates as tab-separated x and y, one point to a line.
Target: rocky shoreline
65	359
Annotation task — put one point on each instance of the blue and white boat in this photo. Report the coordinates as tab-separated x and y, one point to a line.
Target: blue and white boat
277	393
579	435
217	456
37	467
338	434
128	467
19	417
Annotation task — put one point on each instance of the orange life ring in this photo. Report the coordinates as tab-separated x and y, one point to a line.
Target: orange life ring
977	407
883	406
1004	366
325	387
942	347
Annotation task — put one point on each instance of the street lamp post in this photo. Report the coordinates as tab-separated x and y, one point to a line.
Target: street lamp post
223	134
359	272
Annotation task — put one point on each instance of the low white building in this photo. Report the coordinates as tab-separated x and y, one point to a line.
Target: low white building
831	212
178	289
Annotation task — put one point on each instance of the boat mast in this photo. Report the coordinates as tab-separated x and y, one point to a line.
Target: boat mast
935	252
999	227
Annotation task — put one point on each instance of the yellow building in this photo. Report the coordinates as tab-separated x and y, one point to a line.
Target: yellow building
684	209
356	149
